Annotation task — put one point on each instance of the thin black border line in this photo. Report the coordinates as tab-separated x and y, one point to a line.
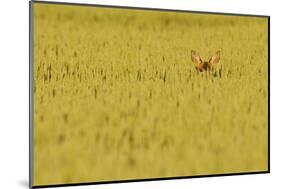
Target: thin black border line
147	8
268	95
31	95
31	110
151	179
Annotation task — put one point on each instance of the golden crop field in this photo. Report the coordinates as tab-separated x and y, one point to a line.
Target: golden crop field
116	95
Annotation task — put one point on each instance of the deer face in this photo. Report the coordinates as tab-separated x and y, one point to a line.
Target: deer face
204	65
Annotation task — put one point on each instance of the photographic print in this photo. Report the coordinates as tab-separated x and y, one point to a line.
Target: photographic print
127	94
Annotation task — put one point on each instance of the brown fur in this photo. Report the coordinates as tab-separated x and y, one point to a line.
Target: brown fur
204	65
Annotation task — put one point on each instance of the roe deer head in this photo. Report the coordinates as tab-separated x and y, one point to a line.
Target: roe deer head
204	65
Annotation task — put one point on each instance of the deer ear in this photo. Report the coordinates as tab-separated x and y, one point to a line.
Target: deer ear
215	59
195	57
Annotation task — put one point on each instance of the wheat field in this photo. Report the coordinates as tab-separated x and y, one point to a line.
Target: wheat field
117	97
